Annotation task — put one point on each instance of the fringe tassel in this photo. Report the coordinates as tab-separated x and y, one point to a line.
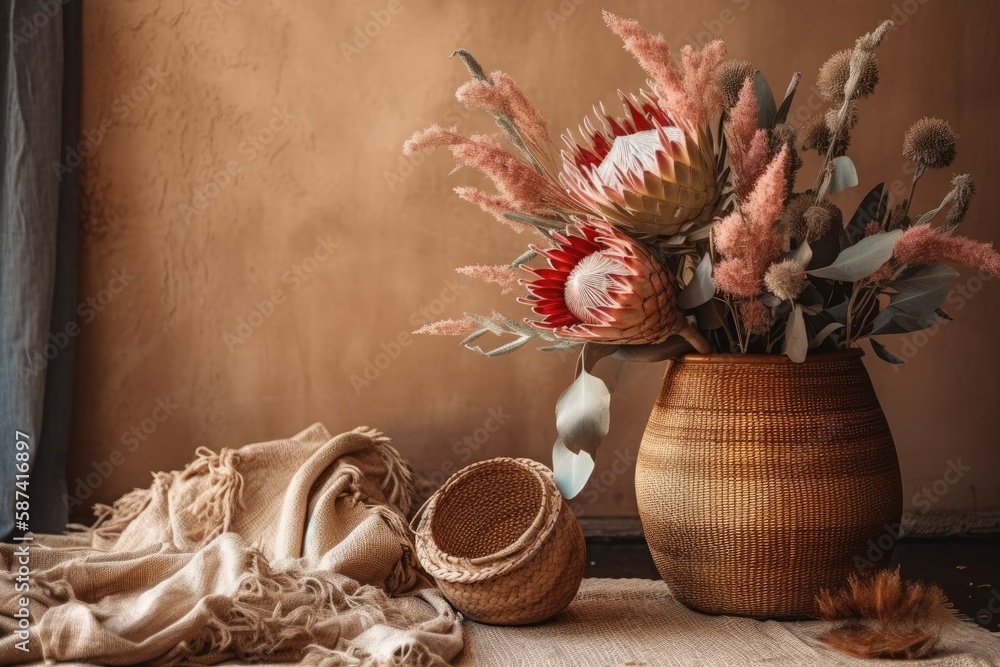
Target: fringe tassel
406	573
288	614
398	483
221	496
111	520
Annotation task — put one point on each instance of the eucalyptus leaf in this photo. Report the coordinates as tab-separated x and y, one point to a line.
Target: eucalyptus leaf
922	276
769	300
786	104
701	288
826	248
810	296
824	333
920	291
796	343
883	353
673	347
890	321
570	470
583	417
866	212
838	312
861	259
765	102
920	282
710	315
811	310
844	175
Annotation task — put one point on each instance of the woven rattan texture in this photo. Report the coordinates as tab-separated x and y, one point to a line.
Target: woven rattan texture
760	482
468	527
501	543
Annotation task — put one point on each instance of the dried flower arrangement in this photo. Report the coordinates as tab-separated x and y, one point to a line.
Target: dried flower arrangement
676	227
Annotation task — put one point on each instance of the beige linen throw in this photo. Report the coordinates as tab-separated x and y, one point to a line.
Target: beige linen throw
280	551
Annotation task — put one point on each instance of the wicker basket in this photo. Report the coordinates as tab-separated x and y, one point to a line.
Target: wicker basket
501	542
760	481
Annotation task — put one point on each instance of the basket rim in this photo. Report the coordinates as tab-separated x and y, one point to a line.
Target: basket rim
769	359
443	565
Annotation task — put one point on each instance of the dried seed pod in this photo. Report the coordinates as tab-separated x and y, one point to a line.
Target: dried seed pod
784	134
792	221
815	134
731	76
930	143
819	219
785	279
833	75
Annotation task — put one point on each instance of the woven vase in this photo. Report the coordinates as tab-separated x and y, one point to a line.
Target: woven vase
501	543
761	481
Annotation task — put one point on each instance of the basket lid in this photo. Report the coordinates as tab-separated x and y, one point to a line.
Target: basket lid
452	546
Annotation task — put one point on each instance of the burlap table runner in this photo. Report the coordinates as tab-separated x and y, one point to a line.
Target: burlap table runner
278	551
637	622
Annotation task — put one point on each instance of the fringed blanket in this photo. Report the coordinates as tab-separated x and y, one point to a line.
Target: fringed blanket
280	551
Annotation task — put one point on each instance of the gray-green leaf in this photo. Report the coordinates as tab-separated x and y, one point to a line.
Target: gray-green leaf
920	291
765	101
844	175
861	259
701	288
884	354
866	212
796	343
824	333
583	417
673	347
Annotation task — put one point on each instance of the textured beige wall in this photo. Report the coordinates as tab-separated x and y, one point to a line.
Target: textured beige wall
241	160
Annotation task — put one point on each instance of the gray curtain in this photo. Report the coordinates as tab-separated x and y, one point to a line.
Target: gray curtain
40	86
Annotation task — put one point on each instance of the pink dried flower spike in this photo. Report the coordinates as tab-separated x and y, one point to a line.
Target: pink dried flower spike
923	245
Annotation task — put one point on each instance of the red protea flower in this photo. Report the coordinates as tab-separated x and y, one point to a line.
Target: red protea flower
604	286
645	171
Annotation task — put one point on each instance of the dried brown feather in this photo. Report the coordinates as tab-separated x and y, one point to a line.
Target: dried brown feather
884	617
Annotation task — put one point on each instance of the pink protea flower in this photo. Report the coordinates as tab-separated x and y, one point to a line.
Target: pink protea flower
921	244
654	170
651	175
601	285
651	172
